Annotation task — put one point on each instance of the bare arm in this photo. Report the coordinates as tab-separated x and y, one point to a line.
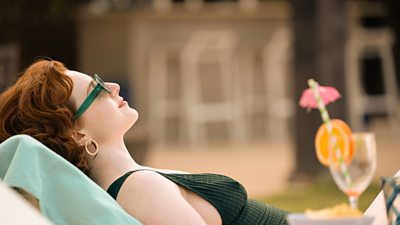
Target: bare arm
378	208
152	199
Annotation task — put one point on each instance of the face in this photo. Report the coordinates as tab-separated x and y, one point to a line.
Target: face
108	117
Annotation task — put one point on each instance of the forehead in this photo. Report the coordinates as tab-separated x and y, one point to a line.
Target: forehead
81	82
79	78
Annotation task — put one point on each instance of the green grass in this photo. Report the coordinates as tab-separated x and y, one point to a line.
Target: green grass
320	194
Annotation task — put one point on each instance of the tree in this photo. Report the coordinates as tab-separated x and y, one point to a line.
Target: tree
320	35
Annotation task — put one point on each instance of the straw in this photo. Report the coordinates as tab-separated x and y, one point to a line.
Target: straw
327	121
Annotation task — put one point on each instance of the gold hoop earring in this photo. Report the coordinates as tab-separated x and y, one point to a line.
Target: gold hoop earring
96	146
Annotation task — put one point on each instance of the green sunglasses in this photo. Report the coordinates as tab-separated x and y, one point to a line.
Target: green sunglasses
100	86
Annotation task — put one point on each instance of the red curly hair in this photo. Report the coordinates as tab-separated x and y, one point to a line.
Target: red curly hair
38	105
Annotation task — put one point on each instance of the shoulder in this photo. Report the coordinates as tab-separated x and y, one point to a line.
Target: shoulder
146	187
146	181
164	170
146	192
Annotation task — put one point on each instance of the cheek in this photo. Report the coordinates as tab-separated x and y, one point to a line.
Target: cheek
106	116
107	112
99	114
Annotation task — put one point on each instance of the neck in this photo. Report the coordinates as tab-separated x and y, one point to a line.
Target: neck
112	161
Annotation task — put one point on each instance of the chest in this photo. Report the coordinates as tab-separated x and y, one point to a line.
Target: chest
225	195
207	211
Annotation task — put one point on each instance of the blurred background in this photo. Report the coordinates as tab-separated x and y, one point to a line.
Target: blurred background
217	82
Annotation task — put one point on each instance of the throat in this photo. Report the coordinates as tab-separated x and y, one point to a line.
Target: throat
106	168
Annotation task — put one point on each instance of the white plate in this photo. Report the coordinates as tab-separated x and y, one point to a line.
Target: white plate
301	219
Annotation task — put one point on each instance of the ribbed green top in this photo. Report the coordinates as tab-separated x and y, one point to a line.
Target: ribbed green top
227	195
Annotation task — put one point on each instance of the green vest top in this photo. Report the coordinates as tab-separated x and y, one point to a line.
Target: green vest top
227	195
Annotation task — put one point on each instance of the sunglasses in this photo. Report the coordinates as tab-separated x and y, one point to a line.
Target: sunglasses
99	86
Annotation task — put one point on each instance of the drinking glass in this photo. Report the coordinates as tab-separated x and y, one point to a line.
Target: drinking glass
353	174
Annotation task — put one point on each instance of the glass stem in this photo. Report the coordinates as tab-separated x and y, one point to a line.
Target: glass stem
353	200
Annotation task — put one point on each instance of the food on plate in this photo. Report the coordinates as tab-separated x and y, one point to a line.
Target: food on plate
340	210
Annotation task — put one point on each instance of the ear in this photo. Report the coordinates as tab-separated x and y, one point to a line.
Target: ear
79	138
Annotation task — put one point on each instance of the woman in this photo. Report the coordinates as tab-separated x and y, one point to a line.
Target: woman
84	120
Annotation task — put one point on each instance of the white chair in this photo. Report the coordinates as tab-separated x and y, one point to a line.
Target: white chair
362	43
211	48
277	63
162	106
273	101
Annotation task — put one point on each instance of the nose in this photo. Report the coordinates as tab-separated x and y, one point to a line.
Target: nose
114	88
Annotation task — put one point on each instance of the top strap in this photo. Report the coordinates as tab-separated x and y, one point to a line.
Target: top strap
115	187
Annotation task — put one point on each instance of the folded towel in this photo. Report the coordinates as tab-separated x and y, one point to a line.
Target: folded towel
66	195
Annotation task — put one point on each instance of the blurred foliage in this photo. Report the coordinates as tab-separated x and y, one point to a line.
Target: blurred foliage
320	194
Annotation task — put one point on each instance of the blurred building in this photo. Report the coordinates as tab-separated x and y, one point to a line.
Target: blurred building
200	71
197	71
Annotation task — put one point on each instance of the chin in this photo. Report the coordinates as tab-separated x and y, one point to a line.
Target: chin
134	116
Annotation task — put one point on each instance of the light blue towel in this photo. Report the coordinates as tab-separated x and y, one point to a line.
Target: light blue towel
66	195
